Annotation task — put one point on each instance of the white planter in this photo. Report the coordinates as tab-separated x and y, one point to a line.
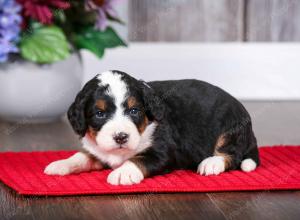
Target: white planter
38	93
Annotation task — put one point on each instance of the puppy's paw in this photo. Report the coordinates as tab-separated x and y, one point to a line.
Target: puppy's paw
60	167
127	174
212	166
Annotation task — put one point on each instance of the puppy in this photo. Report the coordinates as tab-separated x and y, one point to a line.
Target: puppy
143	129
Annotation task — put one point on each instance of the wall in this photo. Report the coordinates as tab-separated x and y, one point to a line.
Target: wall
174	42
259	71
214	20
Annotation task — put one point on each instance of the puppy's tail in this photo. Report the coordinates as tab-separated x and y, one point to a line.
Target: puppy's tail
248	165
251	159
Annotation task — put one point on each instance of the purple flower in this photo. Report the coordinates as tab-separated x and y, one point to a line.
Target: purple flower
10	21
105	9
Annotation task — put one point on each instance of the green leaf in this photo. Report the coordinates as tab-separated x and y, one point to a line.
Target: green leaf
46	44
97	41
116	19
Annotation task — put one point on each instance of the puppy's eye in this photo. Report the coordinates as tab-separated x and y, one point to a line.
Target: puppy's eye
134	111
100	114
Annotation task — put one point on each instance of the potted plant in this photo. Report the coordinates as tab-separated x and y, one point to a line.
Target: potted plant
40	67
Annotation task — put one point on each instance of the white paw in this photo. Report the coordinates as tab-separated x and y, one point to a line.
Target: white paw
248	165
212	166
60	167
127	174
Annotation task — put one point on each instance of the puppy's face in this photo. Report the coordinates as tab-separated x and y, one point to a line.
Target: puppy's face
116	114
113	112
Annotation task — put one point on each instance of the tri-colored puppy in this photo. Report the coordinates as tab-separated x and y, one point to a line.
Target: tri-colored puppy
143	129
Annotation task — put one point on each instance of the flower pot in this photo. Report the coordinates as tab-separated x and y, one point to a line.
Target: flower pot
38	93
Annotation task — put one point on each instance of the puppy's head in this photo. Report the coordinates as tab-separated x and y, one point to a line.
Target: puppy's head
114	109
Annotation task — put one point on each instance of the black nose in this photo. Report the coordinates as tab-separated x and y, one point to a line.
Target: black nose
121	138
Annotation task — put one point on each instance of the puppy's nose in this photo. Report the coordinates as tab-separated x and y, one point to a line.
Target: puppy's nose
121	138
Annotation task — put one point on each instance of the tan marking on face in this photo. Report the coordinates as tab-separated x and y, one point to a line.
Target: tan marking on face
138	161
143	125
221	142
131	102
92	133
101	104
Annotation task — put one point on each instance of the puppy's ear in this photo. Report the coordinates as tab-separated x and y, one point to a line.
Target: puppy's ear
76	112
154	105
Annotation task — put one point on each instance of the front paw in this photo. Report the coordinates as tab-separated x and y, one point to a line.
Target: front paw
60	167
127	174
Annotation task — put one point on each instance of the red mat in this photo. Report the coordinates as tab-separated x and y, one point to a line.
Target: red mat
280	170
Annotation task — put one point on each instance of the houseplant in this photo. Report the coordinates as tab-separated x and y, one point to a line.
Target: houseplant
40	67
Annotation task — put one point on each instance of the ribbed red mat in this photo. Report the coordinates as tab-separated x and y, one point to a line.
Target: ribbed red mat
280	170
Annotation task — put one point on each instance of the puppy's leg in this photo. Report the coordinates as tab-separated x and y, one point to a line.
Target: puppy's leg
79	162
217	163
243	154
139	167
127	174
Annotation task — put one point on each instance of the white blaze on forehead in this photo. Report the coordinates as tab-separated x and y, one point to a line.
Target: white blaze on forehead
119	121
116	86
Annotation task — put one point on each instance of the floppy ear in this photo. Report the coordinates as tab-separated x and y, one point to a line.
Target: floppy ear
76	112
154	105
